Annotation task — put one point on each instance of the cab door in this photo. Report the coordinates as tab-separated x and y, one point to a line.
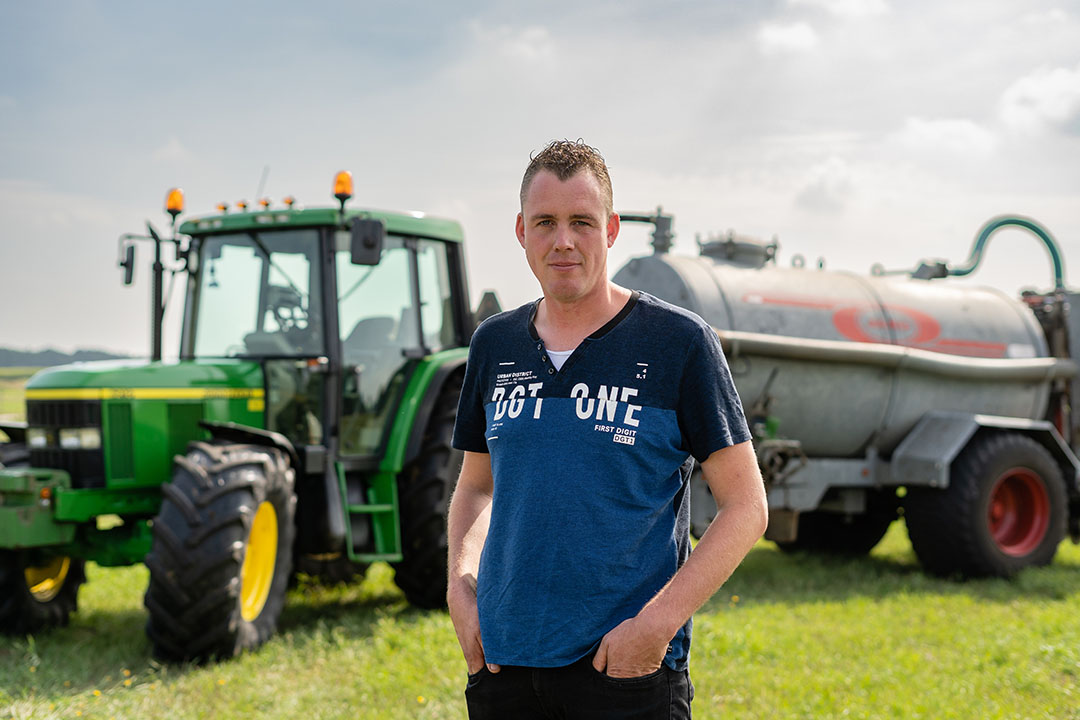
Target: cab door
390	315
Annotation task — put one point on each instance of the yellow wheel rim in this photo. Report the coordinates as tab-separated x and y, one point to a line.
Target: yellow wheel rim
45	582
257	573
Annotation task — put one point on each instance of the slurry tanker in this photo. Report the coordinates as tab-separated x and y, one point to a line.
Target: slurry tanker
893	394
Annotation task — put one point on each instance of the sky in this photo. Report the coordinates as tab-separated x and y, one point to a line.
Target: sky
857	131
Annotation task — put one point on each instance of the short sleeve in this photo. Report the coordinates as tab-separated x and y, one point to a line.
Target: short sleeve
471	422
709	410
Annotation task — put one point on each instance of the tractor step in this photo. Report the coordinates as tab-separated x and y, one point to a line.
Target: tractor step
371	515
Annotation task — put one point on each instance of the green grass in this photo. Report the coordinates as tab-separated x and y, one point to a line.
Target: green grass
17	372
787	637
12	382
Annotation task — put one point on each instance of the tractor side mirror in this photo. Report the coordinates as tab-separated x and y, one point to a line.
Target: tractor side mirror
367	241
128	263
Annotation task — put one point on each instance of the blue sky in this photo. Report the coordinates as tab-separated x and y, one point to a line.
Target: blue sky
860	131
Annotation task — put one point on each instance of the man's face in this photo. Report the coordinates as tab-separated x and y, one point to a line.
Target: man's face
566	232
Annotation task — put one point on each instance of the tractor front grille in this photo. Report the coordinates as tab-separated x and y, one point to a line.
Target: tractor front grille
63	413
86	467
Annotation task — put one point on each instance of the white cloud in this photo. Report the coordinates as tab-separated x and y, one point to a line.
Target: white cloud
951	135
847	8
74	243
532	43
1047	17
173	150
1045	99
465	95
780	38
39	207
828	188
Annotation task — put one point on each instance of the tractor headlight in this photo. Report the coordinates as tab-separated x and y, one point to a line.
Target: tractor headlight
90	438
37	438
80	438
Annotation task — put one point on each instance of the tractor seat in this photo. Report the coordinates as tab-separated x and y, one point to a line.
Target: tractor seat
368	338
265	343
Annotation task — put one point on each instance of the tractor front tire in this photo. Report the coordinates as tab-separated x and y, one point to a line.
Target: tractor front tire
36	592
424	491
34	597
1005	509
221	553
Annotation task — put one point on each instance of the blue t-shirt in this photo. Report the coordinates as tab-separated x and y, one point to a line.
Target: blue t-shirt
591	464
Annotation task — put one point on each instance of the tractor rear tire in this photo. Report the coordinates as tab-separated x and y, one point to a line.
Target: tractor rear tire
1005	509
838	534
34	598
221	553
424	490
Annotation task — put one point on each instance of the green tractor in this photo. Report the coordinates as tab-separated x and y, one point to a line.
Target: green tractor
305	428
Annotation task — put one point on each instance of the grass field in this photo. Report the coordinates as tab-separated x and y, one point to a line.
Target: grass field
12	380
787	637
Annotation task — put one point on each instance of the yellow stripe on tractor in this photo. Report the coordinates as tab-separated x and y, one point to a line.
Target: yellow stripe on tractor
143	393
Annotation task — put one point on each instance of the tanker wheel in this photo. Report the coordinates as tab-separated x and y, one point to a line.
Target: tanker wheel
839	534
1005	509
37	594
424	490
221	552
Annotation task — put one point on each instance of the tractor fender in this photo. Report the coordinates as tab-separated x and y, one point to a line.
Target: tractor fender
331	534
233	432
16	431
427	406
925	455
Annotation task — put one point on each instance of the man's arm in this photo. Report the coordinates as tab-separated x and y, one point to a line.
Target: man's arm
467	526
637	646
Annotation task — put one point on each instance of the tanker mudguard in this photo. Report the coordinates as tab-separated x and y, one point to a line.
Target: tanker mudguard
927	452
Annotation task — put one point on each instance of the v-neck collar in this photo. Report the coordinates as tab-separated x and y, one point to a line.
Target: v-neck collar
604	330
596	335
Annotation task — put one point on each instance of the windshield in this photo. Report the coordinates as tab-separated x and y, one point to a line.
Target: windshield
259	295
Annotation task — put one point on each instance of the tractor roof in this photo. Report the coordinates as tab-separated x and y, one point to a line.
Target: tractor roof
413	223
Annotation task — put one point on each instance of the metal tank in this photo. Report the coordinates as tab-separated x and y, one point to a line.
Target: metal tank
853	362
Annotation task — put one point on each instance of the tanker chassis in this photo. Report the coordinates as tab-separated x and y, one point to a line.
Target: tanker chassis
894	394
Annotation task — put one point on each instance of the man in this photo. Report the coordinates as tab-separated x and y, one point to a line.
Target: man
581	414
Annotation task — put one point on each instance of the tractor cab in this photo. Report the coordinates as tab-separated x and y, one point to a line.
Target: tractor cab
342	310
293	299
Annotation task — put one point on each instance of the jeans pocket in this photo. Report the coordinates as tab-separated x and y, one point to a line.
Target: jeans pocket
475	677
652	677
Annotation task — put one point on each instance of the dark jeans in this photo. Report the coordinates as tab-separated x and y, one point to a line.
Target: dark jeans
577	691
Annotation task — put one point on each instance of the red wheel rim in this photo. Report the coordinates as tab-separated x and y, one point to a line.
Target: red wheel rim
1019	512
